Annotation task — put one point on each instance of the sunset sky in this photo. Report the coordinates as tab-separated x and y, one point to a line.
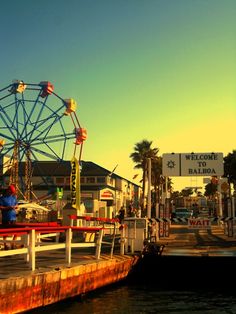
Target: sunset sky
161	70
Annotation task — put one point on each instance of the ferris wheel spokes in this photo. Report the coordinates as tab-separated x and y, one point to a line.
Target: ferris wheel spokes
33	120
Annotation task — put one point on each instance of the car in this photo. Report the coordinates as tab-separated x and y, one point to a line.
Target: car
204	213
182	212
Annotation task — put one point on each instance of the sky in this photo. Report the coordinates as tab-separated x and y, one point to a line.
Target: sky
161	70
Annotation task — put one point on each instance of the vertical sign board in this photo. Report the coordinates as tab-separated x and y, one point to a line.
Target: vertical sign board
75	183
59	193
191	164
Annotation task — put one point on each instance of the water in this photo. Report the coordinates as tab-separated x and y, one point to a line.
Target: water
171	284
144	298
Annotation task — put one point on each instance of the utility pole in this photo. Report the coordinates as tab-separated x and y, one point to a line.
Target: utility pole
149	188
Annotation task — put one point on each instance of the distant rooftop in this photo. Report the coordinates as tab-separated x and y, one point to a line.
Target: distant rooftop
63	168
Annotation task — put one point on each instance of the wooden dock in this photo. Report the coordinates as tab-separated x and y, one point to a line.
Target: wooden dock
53	281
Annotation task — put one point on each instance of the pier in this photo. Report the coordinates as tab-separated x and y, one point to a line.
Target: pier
53	281
189	258
51	263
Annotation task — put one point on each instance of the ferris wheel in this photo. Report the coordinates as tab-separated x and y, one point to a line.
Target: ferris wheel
35	124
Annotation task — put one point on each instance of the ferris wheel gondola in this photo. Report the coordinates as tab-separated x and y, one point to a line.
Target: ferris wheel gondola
36	124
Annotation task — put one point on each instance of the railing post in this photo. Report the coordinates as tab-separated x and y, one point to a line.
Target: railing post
68	245
99	244
31	249
71	222
122	240
127	237
26	241
133	238
113	239
57	237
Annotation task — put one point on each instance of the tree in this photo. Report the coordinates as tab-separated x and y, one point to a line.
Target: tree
187	192
230	167
199	194
210	189
175	195
143	151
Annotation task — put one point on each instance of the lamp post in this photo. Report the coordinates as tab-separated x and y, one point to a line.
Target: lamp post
155	225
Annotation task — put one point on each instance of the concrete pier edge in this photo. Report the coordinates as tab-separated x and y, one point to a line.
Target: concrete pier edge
40	288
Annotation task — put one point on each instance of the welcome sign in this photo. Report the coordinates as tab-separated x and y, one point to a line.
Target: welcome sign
193	164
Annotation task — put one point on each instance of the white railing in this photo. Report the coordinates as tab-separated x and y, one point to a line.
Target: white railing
112	225
31	240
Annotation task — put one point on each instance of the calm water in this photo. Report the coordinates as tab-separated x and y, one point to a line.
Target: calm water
125	299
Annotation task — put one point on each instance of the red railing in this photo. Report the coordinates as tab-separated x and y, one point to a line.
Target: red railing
99	219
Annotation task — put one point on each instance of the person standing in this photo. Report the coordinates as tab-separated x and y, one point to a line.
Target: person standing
8	205
139	212
121	214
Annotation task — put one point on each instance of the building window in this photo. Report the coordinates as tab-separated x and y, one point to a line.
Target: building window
82	180
67	180
60	181
110	180
90	180
89	206
100	179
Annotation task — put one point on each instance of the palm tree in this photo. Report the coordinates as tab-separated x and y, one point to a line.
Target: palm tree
156	177
143	151
230	167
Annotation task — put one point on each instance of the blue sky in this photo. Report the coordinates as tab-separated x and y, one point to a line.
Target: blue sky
162	70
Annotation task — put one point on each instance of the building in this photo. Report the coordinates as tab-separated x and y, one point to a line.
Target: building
103	192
